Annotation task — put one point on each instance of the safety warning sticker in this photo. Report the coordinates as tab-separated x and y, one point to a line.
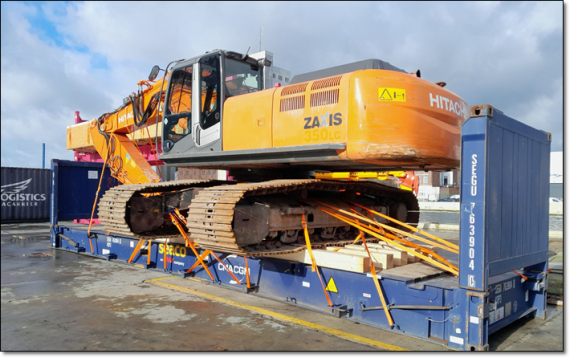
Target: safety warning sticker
391	94
331	286
496	315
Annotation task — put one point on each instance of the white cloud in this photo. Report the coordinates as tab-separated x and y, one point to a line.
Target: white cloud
42	86
505	54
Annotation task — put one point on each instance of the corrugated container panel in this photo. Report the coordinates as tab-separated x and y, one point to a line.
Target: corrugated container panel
25	194
517	190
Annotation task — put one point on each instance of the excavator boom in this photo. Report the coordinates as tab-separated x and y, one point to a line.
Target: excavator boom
109	134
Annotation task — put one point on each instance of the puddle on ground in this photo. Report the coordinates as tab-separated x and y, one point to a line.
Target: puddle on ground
7	294
252	323
156	313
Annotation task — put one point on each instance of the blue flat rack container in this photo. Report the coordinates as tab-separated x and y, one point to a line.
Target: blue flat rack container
504	227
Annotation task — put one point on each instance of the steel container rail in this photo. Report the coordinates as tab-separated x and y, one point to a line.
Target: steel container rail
25	194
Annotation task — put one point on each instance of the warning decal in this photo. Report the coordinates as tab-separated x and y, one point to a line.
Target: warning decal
331	286
392	94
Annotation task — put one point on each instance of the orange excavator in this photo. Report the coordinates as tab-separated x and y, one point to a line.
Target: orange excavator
284	147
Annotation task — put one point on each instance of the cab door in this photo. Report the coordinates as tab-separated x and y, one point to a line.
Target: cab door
206	95
178	109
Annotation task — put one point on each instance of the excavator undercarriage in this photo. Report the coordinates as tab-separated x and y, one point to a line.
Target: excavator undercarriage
254	219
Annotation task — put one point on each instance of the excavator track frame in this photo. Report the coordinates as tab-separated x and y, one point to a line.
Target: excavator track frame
113	206
212	211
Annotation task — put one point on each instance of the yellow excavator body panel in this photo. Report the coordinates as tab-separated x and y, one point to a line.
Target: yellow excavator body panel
382	118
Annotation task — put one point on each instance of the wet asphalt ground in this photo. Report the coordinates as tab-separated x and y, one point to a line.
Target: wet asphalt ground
54	300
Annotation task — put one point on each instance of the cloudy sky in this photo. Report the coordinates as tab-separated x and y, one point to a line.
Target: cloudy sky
61	57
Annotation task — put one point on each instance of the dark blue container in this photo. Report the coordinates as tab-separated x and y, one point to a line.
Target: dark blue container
504	197
25	194
74	187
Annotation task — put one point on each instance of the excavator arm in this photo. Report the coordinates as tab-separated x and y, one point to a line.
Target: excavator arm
109	134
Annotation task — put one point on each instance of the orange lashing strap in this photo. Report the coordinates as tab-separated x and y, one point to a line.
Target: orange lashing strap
90	244
389	228
223	264
324	288
190	244
444	266
377	284
381	226
412	236
308	243
410	251
204	254
201	262
165	251
96	196
180	216
314	263
382	231
360	236
136	249
148	253
422	249
379	230
421	255
521	275
445	242
247	272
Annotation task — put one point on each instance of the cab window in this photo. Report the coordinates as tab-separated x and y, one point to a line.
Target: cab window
241	78
178	112
210	86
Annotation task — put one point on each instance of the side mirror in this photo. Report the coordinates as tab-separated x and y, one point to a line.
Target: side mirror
153	73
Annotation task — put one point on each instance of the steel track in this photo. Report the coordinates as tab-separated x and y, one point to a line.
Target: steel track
211	212
113	206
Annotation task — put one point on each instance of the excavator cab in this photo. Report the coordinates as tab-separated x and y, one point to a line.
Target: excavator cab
363	116
197	89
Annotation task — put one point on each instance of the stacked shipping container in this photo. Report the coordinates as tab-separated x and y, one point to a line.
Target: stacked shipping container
25	194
